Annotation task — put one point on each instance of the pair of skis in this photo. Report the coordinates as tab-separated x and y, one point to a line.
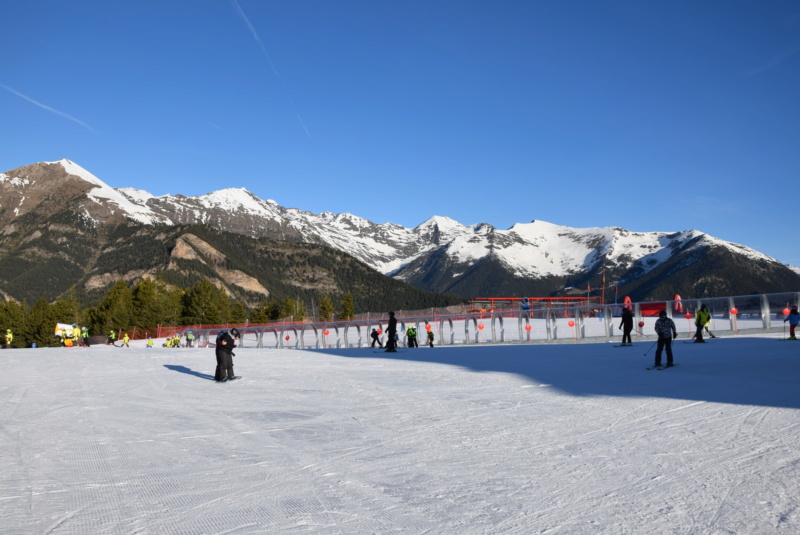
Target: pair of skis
660	367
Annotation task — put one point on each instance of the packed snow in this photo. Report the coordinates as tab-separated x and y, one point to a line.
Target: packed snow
542	438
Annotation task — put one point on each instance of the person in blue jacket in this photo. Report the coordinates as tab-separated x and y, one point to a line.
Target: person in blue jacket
793	318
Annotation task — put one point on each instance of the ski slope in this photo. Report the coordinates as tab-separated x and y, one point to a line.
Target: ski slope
523	439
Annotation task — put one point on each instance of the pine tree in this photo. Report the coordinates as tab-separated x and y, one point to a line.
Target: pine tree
288	308
12	316
347	311
40	325
147	310
172	304
238	314
260	314
300	315
205	304
198	304
274	309
325	308
67	309
114	311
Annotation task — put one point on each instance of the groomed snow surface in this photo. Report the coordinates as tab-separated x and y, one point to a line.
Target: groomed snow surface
556	439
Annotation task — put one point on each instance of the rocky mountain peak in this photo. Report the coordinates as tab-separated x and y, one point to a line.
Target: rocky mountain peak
439	254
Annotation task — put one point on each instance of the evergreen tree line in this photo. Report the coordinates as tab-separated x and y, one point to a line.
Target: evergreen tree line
149	303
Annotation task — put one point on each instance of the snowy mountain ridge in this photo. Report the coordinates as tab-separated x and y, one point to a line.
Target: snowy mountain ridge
439	248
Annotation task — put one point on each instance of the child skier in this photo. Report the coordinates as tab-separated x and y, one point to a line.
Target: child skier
793	318
665	328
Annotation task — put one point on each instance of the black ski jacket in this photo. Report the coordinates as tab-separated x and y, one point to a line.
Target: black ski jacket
225	344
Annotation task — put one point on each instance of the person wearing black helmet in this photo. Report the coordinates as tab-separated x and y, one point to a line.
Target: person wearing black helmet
666	331
226	341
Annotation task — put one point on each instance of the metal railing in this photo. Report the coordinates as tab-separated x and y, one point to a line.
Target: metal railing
594	323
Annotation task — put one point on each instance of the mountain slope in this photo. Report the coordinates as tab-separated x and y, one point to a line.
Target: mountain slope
536	258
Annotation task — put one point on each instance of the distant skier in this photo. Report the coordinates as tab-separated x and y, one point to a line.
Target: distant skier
666	331
701	318
375	338
627	326
125	340
9	338
430	336
411	334
793	318
112	336
391	333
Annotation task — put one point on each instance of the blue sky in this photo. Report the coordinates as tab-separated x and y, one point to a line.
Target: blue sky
647	115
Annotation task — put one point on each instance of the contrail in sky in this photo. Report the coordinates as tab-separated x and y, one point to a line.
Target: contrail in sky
269	60
44	107
256	37
777	60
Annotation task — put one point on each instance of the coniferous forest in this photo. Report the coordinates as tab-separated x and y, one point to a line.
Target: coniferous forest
150	302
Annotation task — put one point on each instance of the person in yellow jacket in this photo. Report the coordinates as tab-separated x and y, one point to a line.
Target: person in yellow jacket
701	318
9	338
125	340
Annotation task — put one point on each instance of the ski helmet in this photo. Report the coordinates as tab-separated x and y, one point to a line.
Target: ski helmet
235	333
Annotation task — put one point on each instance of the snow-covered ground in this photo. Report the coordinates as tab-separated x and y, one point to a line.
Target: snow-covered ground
557	439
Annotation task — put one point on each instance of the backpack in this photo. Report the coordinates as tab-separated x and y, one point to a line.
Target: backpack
220	335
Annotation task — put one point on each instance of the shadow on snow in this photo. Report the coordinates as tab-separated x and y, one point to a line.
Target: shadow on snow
745	371
188	371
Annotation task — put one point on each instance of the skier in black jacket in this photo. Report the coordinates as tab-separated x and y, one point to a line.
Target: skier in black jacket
627	326
226	341
391	331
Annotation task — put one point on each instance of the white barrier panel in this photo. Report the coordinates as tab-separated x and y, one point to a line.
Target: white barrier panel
729	315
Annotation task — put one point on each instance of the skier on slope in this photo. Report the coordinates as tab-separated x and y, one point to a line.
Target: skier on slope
701	318
226	342
391	332
375	340
666	331
627	326
411	333
793	318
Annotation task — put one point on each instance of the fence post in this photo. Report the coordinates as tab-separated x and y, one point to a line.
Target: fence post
765	312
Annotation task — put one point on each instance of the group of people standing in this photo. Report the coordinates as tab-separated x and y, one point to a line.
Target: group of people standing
392	338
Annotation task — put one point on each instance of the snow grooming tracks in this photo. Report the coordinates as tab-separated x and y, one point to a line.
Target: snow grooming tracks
460	441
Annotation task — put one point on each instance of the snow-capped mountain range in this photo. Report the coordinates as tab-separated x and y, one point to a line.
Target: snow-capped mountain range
440	254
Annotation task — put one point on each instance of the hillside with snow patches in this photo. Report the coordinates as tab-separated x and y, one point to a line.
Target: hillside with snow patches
439	245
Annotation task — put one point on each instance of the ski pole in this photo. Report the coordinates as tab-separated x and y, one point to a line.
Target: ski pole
651	347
